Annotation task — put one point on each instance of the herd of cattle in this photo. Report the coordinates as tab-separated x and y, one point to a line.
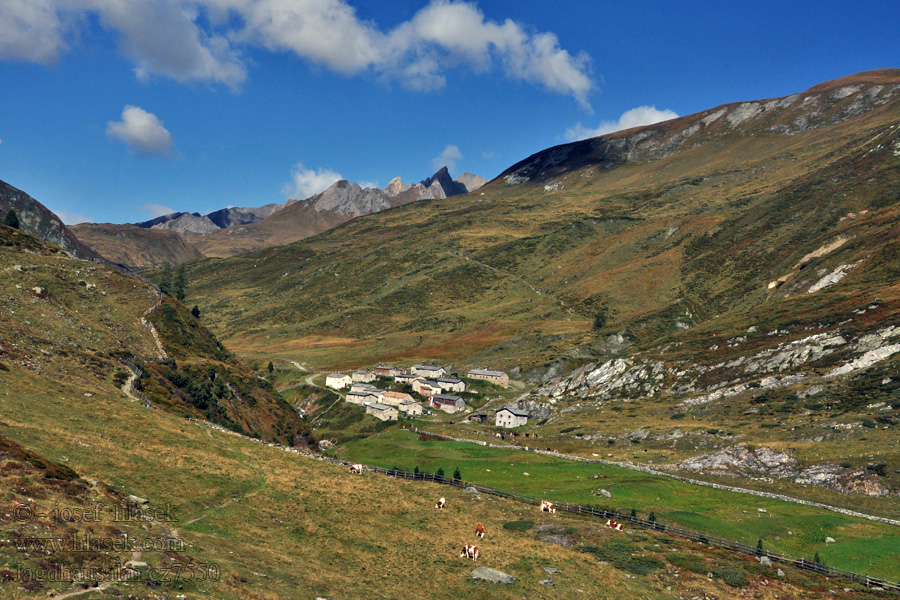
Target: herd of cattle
470	550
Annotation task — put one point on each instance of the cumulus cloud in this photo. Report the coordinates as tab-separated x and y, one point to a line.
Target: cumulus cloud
156	210
204	40
308	182
636	117
142	131
31	30
448	158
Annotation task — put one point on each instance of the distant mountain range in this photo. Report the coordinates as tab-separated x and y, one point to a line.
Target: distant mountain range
230	231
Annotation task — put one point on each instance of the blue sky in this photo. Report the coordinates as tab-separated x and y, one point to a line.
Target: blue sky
116	110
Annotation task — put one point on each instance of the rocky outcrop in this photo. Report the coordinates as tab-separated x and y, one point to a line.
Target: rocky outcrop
492	576
41	222
634	377
438	186
742	460
860	480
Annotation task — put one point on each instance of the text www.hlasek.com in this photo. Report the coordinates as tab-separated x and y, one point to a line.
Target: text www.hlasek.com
89	543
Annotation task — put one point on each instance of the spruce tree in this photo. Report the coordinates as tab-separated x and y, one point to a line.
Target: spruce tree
11	219
196	311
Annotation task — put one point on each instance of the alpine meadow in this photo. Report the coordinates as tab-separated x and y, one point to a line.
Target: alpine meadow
251	349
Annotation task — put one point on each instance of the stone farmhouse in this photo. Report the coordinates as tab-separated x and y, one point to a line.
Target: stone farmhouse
362	397
338	381
387	371
510	417
451	384
410	408
426	387
363	376
382	411
405	378
496	377
395	398
447	403
428	371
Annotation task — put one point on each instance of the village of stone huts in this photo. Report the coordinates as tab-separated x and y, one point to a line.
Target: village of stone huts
434	383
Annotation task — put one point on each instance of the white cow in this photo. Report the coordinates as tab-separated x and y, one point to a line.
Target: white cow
615	525
469	551
357	468
440	503
547	506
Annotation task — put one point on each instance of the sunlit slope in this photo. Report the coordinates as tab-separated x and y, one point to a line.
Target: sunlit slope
276	525
645	231
73	321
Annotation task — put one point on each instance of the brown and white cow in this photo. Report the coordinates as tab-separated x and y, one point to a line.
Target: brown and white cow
479	530
469	551
547	506
357	468
615	525
440	503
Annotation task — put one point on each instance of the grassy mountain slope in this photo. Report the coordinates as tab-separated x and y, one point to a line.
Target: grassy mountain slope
135	247
68	320
645	231
274	525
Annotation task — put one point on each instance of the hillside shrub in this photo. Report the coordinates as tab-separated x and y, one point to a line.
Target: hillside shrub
518	525
733	576
689	562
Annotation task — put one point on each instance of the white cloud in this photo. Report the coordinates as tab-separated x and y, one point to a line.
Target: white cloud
369	184
156	210
70	218
204	40
308	182
447	158
636	117
31	30
142	131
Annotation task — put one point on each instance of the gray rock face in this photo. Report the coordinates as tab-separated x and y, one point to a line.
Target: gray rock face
39	221
438	186
492	576
351	199
740	460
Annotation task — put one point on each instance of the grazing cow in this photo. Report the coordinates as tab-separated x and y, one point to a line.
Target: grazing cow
440	503
469	551
548	506
357	468
615	525
479	530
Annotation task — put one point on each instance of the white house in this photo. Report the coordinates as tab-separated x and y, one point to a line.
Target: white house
428	371
510	417
497	377
338	381
382	411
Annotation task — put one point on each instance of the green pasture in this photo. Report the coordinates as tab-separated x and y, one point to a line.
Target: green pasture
861	545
